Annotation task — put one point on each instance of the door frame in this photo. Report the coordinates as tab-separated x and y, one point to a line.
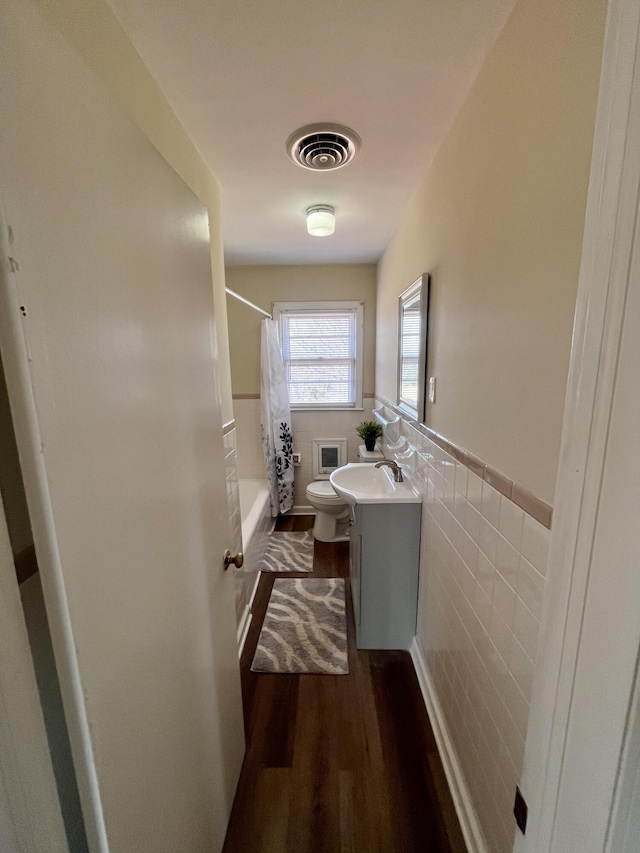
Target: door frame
27	784
15	358
560	727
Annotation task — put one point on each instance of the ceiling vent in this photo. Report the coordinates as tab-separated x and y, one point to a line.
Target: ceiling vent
323	147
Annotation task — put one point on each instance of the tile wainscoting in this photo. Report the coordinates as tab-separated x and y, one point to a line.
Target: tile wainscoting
246	413
482	574
307	425
235	523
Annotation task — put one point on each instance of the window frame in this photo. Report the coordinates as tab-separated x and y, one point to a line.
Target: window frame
420	286
280	308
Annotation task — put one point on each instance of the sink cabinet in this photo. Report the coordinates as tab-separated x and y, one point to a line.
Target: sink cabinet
384	557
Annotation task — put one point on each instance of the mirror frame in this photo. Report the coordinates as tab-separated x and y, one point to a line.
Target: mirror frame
423	286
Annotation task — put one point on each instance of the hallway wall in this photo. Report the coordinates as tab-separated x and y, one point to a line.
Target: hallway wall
35	617
11	486
498	222
265	285
14	503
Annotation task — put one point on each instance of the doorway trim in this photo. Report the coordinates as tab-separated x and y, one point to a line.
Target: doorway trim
27	783
605	279
15	356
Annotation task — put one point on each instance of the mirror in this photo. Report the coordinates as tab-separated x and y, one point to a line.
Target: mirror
413	330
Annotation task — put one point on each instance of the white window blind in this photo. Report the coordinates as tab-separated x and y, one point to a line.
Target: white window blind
413	327
320	349
410	331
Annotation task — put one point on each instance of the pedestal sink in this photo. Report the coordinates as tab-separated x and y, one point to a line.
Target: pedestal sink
363	483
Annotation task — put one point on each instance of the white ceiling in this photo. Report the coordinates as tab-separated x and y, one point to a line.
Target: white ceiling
242	75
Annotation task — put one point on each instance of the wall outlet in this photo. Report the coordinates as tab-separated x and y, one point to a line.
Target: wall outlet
432	389
297	460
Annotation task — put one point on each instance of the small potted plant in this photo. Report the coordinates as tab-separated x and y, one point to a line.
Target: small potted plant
369	432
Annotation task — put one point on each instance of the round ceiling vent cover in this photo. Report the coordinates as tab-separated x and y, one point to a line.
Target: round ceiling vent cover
323	147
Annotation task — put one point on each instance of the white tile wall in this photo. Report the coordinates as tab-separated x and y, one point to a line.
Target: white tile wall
235	522
310	425
306	426
483	562
249	448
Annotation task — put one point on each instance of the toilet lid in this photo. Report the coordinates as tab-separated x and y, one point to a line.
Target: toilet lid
322	489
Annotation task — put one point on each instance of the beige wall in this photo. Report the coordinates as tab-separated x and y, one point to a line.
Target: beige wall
498	222
264	285
93	31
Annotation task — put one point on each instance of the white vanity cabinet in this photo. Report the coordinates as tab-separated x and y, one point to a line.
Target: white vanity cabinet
384	557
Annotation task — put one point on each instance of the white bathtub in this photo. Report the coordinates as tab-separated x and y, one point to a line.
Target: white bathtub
257	524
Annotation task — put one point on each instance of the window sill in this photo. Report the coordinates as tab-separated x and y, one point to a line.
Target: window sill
327	409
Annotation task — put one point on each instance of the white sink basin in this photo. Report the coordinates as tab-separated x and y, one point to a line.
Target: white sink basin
363	483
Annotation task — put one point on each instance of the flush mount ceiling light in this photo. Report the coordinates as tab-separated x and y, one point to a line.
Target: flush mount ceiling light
321	220
322	147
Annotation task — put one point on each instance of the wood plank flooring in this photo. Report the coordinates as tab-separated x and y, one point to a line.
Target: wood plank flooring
338	763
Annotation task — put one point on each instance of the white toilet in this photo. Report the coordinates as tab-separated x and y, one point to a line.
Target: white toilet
332	513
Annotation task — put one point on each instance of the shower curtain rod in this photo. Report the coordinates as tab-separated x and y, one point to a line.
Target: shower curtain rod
246	302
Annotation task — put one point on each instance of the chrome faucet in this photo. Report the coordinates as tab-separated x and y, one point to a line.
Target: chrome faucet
397	471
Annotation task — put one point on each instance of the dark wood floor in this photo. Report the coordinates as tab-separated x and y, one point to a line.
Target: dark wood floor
335	763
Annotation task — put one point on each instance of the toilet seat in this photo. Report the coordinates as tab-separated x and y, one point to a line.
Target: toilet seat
323	493
331	512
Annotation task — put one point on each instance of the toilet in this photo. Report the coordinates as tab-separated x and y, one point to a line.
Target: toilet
332	513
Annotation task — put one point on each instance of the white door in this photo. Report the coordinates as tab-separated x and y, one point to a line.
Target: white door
119	430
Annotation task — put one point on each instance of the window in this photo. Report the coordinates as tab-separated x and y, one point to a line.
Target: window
322	351
412	347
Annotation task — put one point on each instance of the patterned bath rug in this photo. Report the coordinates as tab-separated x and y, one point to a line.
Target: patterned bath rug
304	629
288	552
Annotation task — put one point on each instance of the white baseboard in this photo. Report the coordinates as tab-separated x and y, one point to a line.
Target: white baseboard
302	510
469	823
243	629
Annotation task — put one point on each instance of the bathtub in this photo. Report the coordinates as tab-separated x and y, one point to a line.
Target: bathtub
257	524
254	510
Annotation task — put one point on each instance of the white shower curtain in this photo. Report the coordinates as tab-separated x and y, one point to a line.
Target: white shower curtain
277	438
